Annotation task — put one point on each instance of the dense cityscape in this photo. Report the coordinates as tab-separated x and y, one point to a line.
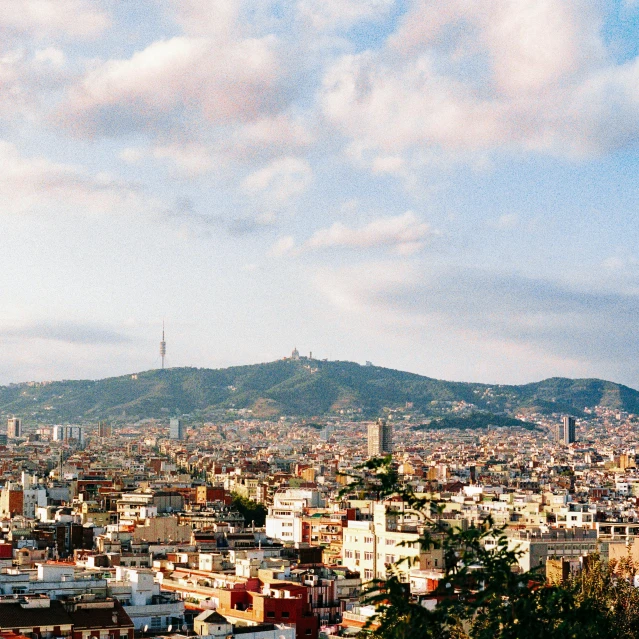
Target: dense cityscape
249	527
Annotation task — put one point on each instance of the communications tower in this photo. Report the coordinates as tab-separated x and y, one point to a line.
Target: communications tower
162	346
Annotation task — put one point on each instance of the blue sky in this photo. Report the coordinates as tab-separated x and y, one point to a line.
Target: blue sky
446	188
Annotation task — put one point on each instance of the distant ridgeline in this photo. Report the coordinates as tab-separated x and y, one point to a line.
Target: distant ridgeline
305	388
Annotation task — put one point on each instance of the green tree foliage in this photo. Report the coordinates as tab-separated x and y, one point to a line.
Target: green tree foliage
481	595
475	420
250	510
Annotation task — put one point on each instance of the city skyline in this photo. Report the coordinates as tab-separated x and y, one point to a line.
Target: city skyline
442	190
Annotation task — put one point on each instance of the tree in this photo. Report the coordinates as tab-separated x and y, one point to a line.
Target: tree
250	510
482	595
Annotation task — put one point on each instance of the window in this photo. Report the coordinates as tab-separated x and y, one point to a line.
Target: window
368	556
368	574
285	614
270	614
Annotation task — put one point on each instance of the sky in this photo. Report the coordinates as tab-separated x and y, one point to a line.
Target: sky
448	188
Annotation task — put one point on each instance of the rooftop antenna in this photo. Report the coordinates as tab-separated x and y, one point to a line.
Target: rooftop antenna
162	346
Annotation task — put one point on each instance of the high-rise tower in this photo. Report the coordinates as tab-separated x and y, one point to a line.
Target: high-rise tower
162	346
176	429
14	427
380	438
566	430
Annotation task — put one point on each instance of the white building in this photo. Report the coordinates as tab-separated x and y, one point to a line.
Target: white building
68	432
142	600
370	548
53	579
284	519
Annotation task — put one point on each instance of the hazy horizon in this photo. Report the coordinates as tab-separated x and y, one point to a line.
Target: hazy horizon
152	370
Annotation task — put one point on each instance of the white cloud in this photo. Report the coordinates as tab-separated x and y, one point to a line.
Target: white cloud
388	164
51	55
506	221
283	246
326	14
281	133
281	179
405	234
207	18
28	80
191	159
36	184
132	154
466	77
40	18
173	81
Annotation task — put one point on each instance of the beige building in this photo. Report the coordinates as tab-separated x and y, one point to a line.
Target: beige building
372	547
536	546
163	530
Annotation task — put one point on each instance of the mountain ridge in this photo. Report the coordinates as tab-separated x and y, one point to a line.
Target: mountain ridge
302	388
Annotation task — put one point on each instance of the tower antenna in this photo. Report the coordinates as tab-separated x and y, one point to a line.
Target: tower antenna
162	346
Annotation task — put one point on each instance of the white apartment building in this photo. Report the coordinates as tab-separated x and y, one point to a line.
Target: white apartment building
53	579
359	548
284	520
136	507
370	548
140	596
576	516
284	525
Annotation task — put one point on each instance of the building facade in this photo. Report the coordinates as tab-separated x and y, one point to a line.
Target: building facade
380	438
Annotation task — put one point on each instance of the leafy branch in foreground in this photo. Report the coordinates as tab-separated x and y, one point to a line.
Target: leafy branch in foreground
482	594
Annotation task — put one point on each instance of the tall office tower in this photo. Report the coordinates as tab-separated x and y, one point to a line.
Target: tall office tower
104	429
380	438
176	430
14	427
326	433
566	430
68	433
569	430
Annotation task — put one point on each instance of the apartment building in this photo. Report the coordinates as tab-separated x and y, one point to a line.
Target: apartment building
537	546
370	547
